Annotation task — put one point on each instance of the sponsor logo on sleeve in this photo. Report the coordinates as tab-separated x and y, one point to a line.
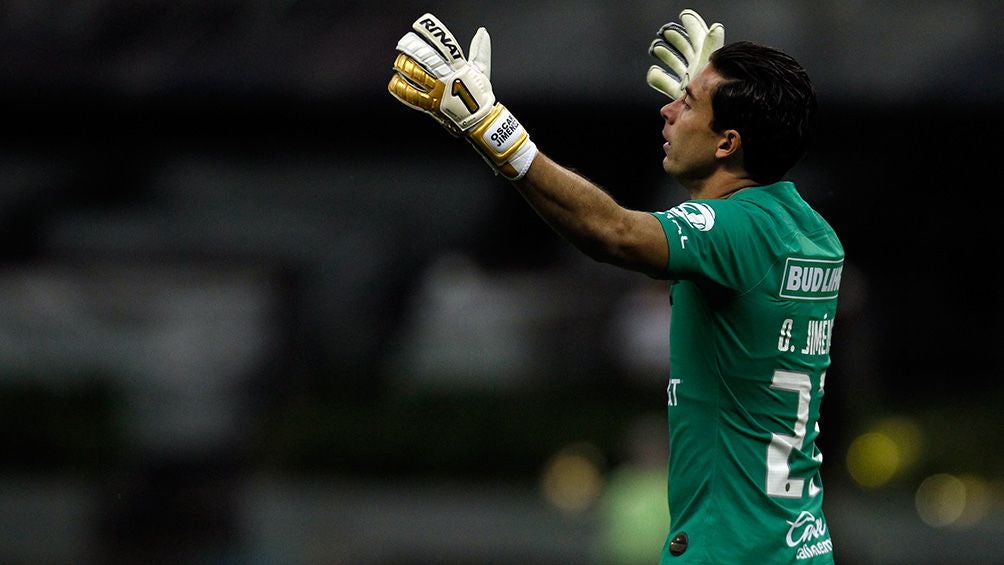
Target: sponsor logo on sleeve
811	279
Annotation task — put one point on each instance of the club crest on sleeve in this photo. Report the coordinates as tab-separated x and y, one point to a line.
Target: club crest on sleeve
700	216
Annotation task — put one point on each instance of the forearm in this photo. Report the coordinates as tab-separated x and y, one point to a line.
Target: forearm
573	206
586	216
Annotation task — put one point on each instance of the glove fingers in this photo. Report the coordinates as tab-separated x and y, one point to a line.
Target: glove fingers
439	38
414	86
664	82
669	56
407	93
422	53
481	52
675	36
416	75
694	24
672	26
683	47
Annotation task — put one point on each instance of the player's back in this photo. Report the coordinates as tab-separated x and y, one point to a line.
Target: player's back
752	319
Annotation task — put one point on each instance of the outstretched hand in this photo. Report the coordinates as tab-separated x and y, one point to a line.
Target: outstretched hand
683	48
432	75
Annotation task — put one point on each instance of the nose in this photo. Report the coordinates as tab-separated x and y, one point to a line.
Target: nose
668	112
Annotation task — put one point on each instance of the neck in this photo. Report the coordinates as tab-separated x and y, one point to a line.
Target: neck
717	187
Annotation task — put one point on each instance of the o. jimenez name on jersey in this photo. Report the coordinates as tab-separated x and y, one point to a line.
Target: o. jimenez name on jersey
809	279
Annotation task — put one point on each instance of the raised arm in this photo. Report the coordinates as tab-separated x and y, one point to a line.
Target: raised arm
591	220
432	74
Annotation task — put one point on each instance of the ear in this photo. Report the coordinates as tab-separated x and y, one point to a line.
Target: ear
730	143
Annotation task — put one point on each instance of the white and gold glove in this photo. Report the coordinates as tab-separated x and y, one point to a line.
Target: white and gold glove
684	49
433	76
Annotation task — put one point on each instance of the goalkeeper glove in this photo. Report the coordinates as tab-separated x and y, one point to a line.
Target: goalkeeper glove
684	49
433	76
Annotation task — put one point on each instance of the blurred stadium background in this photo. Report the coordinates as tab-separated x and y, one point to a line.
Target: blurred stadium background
254	311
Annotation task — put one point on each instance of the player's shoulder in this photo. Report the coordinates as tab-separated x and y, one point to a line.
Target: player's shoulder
782	205
778	195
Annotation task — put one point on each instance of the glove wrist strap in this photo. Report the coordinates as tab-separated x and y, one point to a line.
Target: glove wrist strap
504	143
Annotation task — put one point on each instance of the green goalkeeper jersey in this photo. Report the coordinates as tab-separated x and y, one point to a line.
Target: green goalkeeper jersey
753	306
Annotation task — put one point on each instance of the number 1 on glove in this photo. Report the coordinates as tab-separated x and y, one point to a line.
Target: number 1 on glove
433	76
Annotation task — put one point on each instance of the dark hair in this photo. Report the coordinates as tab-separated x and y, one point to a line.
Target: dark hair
768	98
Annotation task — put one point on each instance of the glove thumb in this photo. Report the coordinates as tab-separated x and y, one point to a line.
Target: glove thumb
481	52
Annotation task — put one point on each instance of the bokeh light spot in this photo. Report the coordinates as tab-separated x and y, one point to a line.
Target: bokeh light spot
573	478
873	459
941	500
907	436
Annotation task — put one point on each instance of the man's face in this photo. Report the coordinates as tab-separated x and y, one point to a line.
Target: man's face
690	142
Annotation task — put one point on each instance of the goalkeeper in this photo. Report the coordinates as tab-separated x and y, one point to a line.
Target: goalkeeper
754	270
